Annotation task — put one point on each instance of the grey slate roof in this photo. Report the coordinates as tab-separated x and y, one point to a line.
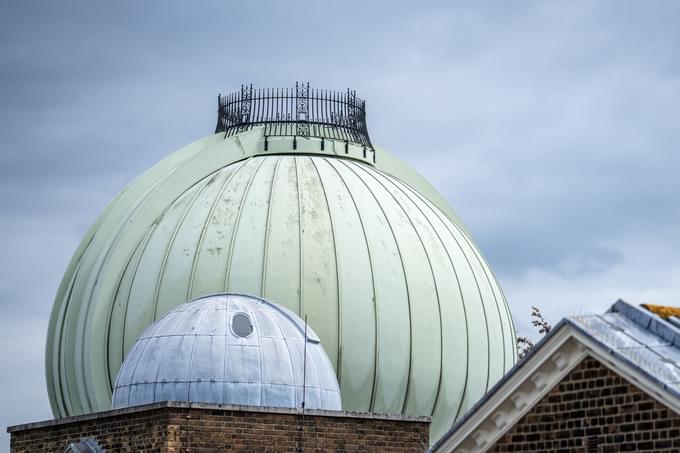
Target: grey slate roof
638	337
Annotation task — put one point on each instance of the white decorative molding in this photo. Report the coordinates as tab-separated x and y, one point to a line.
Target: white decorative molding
540	380
560	360
500	419
519	399
480	437
526	387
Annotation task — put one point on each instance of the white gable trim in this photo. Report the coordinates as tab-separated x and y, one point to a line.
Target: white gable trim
563	351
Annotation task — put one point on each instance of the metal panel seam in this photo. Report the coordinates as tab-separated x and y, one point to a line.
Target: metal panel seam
300	242
337	271
134	370
375	301
170	243
434	280
290	354
142	243
460	291
63	386
256	321
162	356
193	349
265	252
493	293
237	221
510	318
201	238
488	344
408	294
226	358
481	297
486	270
102	259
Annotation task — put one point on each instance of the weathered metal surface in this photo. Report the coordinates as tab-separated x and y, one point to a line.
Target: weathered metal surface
411	316
228	349
642	338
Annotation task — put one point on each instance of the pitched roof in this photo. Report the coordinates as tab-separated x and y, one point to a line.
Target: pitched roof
637	343
639	337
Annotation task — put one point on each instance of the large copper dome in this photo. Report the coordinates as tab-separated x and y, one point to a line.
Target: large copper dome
409	312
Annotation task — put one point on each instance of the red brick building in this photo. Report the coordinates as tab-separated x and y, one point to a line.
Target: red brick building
596	383
205	428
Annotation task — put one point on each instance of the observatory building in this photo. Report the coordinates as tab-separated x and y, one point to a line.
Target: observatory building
292	211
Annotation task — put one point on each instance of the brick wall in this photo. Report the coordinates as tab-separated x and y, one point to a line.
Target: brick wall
117	431
594	409
184	428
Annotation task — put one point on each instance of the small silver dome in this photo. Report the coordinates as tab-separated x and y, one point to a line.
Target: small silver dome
228	349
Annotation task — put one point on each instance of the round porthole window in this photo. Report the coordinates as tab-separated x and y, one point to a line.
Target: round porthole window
241	325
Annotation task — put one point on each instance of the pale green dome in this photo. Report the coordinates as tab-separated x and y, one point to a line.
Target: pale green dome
407	309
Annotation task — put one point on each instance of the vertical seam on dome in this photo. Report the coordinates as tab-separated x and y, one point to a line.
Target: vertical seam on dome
259	332
142	243
265	249
201	238
107	248
145	240
301	243
485	271
237	222
460	292
162	356
193	349
134	370
83	382
493	294
226	354
434	280
512	323
486	322
408	294
290	355
513	347
370	261
55	330
337	270
171	242
63	386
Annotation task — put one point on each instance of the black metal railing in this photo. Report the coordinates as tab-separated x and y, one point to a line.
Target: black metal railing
299	111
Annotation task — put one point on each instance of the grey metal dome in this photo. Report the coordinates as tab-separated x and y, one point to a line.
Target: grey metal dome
228	349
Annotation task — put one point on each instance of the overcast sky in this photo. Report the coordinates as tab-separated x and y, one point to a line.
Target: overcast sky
551	127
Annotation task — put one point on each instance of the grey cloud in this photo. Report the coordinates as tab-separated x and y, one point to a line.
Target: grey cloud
550	127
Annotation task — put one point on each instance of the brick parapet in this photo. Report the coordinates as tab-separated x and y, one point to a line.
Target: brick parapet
184	428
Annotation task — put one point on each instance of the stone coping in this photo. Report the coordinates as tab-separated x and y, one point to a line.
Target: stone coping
220	407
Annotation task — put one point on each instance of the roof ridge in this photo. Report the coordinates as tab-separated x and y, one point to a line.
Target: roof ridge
648	320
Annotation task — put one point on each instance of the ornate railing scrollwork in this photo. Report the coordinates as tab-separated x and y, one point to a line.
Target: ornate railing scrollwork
299	111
